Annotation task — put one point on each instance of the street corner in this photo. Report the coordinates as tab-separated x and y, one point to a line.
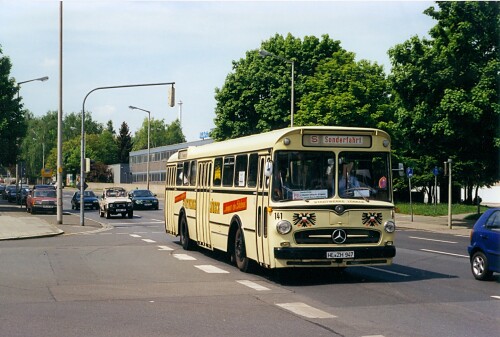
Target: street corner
23	227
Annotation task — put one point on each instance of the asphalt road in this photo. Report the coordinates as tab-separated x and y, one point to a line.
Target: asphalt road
131	279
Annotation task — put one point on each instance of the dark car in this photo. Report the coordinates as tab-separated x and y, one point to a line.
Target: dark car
21	195
484	248
143	199
10	190
89	199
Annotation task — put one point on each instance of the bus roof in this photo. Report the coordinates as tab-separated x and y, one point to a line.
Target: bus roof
264	140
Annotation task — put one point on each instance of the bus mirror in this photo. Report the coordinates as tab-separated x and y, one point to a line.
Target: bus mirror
401	169
269	169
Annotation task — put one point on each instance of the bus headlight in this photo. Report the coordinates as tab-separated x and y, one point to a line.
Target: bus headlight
283	227
390	226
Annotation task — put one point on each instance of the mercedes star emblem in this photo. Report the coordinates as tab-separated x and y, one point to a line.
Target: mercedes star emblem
339	236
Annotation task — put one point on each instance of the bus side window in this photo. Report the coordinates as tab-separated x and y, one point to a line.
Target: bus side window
241	170
217	171
253	164
185	173
192	174
228	171
179	175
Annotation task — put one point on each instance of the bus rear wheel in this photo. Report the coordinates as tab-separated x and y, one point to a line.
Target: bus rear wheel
186	242
239	251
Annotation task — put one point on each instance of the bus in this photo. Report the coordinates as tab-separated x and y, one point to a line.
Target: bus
307	196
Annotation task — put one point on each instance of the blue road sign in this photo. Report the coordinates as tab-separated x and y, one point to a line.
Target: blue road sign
435	171
409	172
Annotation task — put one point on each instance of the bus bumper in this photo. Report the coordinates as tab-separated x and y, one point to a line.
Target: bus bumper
289	253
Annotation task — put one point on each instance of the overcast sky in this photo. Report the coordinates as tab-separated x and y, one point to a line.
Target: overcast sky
108	43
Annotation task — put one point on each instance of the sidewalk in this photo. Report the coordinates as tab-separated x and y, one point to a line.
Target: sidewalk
460	226
16	223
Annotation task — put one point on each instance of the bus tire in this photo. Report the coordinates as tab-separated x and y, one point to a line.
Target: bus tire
239	251
186	242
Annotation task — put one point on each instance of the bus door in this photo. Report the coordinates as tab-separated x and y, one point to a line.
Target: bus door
261	210
170	221
203	204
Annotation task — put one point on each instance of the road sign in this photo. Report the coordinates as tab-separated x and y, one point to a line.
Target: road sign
435	171
409	172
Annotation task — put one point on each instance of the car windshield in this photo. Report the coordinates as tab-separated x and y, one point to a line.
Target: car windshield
115	193
85	194
143	193
45	193
305	175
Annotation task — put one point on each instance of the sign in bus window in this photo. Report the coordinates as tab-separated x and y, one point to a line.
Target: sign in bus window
217	171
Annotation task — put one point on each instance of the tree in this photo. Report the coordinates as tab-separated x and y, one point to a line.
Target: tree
446	93
161	134
345	92
12	116
110	128
124	142
255	96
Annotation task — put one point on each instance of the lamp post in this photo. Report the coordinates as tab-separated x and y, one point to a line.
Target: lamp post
171	101
42	79
265	53
149	132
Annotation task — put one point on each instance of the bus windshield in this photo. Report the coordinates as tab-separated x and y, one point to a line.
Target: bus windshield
305	175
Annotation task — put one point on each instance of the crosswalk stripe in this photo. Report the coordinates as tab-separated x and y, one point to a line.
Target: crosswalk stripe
212	269
252	285
164	248
149	240
184	257
305	310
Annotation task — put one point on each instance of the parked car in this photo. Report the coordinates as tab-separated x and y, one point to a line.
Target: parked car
8	190
2	189
89	199
114	200
42	200
22	195
484	248
143	199
44	187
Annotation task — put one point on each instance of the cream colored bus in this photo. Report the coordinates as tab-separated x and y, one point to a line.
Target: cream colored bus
295	197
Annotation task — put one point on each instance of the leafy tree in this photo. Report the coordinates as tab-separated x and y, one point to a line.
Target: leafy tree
124	142
161	134
345	92
255	96
446	93
110	128
12	116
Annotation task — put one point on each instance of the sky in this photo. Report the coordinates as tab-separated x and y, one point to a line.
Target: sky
191	43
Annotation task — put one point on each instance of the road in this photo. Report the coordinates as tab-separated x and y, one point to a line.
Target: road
131	279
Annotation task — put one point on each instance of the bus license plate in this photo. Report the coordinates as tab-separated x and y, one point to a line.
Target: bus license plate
121	210
340	255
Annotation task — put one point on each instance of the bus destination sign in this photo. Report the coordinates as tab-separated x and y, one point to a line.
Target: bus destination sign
337	140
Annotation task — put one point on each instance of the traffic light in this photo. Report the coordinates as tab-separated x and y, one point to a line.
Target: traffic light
87	165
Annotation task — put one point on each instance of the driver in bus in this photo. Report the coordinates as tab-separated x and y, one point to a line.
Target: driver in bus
347	180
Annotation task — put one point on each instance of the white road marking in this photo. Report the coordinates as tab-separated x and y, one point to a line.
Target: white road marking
252	285
435	240
184	257
164	248
374	336
135	236
496	297
388	271
149	240
305	310
444	253
211	269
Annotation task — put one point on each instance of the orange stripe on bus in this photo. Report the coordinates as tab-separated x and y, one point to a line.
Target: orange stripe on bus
180	197
234	206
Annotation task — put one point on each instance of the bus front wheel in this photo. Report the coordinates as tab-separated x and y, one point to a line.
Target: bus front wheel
239	251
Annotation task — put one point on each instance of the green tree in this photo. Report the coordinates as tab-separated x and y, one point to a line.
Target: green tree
12	116
345	92
256	95
124	142
161	134
446	93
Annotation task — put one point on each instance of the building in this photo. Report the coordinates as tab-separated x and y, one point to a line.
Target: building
157	163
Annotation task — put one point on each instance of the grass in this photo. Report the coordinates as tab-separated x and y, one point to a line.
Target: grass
440	209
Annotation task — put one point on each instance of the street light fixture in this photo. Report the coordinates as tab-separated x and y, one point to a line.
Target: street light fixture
149	132
265	53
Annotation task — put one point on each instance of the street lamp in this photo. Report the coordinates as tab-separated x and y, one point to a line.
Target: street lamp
149	132
265	53
42	79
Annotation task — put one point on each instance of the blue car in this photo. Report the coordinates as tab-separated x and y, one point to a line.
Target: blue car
89	199
484	248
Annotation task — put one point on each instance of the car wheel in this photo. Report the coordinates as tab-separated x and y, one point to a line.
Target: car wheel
107	214
479	266
130	214
101	213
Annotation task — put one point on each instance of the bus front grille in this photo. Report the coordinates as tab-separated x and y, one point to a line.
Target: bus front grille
324	236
